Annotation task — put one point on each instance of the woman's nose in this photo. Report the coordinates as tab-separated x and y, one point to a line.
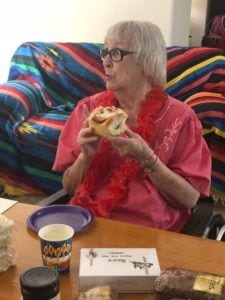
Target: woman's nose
107	65
107	62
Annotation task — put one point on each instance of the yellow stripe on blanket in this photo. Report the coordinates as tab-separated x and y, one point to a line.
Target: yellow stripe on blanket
217	131
17	190
192	69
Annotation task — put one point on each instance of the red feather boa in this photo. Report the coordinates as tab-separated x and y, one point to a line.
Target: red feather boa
117	188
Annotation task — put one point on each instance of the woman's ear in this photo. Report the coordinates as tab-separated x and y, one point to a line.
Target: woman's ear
148	75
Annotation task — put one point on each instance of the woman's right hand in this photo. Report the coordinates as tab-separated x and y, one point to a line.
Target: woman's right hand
89	142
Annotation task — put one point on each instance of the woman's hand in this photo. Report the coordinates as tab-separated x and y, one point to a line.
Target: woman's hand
176	190
133	146
89	142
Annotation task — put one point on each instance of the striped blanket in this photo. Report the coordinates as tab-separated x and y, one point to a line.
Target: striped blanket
46	80
197	77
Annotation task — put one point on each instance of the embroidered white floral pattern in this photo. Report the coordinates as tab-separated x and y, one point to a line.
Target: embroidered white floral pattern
168	137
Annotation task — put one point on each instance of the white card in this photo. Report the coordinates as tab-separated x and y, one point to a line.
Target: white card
6	204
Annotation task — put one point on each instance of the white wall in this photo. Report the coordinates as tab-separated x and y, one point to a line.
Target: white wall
198	21
84	20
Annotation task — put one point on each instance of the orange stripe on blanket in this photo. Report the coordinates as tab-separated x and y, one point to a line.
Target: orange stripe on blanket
211	113
218	175
193	102
206	94
219	71
218	153
213	85
16	95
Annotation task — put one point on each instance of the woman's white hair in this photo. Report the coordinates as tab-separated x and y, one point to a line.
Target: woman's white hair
146	38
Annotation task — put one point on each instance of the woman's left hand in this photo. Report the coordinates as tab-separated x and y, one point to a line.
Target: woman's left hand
132	146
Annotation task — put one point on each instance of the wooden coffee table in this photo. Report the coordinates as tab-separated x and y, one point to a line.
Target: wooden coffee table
174	250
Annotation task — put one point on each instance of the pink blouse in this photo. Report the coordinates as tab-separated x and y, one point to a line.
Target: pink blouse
179	144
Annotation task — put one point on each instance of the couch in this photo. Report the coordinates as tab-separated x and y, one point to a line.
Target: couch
46	81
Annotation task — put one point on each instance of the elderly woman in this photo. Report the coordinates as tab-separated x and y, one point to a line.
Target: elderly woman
154	173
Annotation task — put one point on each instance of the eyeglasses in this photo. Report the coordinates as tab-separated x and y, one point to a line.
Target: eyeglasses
116	54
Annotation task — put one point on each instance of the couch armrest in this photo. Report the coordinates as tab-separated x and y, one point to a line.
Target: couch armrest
19	98
18	101
66	72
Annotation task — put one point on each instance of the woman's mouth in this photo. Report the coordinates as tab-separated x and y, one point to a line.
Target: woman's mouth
108	77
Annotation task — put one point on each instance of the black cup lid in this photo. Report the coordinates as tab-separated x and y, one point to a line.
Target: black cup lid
41	279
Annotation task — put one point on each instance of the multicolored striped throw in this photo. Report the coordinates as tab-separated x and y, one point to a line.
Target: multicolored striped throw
197	77
46	80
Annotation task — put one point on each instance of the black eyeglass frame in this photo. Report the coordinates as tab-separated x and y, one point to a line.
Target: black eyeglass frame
104	52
